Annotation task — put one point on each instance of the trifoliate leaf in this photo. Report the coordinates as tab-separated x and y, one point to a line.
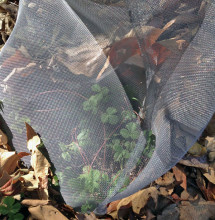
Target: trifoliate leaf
125	133
9	201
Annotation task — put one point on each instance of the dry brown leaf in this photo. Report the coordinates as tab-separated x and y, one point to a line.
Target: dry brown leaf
131	47
210	175
39	162
210	143
46	212
4	178
201	184
73	57
3	138
8	161
112	206
194	162
166	191
166	179
138	200
34	202
200	211
180	175
211	191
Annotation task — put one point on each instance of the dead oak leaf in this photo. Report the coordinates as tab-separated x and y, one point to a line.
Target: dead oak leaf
139	200
39	162
180	175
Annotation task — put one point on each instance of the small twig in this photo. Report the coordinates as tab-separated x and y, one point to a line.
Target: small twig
81	150
64	91
105	143
104	146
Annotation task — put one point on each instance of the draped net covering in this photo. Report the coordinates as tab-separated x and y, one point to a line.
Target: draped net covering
51	77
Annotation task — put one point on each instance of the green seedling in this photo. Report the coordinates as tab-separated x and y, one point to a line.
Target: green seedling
10	208
131	131
110	116
93	102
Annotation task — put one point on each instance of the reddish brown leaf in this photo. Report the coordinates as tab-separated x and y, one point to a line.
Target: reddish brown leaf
211	191
12	187
180	175
112	206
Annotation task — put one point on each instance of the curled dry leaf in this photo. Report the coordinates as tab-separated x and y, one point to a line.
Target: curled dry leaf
127	47
139	199
34	202
201	184
8	161
39	162
46	212
180	175
191	161
211	191
12	186
112	206
210	175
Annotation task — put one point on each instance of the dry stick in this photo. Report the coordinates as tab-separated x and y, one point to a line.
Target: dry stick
105	143
104	146
80	149
114	179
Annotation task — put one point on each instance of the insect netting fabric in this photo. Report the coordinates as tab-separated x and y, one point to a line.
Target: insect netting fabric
118	90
